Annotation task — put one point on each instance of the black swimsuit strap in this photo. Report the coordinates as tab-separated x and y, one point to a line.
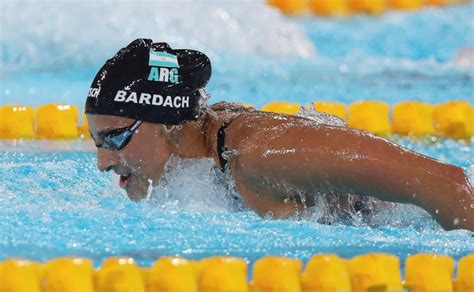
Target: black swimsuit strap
221	144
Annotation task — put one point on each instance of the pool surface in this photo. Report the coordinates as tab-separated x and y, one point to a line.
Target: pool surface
54	201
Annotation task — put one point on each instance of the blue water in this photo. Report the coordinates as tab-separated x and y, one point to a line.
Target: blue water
54	201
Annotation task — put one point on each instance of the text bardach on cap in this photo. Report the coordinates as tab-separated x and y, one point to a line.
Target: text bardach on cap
153	99
150	82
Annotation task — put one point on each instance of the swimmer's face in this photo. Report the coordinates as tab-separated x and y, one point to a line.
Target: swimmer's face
140	163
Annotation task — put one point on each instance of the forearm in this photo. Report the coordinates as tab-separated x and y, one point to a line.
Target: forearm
441	189
389	172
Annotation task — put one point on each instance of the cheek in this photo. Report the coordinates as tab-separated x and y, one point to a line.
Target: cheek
134	159
147	158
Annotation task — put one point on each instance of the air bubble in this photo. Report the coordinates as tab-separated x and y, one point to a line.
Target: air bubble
269	215
456	221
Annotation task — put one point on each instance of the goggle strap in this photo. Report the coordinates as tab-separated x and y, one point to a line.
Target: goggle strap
135	126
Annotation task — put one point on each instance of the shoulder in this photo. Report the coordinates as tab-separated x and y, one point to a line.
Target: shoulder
229	107
248	127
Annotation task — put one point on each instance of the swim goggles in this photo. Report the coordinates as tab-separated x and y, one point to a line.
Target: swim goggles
118	138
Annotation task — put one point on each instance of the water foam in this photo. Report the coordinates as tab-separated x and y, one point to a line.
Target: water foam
195	185
58	35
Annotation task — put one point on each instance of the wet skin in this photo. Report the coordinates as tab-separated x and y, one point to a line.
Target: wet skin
276	158
145	155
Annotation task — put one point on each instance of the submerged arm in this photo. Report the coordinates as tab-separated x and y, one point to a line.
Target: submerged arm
339	160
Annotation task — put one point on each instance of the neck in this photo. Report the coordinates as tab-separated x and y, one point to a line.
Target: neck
192	141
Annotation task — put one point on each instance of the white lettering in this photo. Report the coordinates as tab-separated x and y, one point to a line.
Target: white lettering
168	101
145	98
120	96
155	98
185	101
132	97
176	102
164	74
94	92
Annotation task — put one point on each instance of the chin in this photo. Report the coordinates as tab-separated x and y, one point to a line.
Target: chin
137	191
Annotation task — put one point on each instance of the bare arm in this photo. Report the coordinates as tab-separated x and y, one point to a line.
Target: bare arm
339	160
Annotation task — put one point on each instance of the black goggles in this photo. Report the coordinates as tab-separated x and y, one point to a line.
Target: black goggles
118	138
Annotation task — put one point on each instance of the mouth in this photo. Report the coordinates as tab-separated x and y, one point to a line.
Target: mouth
124	179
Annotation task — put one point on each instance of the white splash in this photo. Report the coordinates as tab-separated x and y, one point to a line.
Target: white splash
57	34
195	185
320	117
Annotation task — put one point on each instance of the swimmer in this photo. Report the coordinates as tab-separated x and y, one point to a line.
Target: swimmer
148	103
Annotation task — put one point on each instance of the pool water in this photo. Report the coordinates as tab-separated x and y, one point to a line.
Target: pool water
54	201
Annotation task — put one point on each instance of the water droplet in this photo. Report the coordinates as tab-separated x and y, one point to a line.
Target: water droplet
269	215
456	221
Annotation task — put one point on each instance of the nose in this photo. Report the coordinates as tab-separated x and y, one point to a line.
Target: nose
106	159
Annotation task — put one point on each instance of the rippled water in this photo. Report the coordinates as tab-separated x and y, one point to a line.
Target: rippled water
53	200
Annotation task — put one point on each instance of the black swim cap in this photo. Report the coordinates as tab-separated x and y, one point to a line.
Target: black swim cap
150	82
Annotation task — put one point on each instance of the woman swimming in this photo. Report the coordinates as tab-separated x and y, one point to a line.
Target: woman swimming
147	103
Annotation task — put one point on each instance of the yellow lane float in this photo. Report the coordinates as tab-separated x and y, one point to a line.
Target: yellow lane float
57	121
289	6
222	274
83	130
276	274
411	117
429	272
345	7
367	6
20	275
454	119
405	4
17	122
282	107
68	275
326	273
465	279
119	275
333	108
441	2
329	7
171	274
371	116
375	272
